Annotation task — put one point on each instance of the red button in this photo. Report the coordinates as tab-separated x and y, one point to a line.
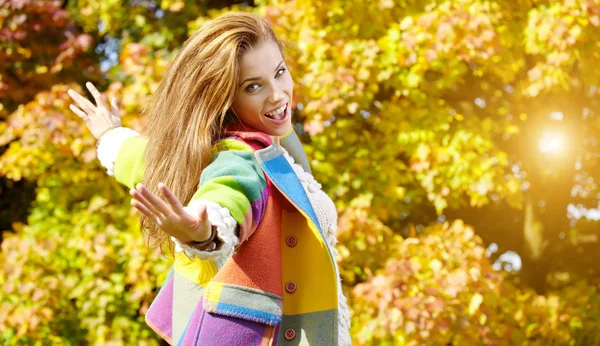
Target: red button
290	334
291	241
290	287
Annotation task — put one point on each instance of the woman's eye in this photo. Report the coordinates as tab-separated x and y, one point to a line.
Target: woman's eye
280	71
252	87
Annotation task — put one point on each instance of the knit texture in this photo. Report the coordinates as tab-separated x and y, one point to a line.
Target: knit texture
225	223
109	144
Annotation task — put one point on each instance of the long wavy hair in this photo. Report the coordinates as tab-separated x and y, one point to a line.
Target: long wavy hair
191	105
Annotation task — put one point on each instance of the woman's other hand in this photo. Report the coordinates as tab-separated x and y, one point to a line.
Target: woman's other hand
170	215
99	118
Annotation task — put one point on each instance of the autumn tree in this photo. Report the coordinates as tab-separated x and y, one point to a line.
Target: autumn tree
39	46
448	110
439	128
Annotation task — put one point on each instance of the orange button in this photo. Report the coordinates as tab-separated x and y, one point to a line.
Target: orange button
291	241
290	287
289	334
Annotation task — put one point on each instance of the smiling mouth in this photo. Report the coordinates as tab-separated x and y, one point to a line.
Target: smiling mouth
277	114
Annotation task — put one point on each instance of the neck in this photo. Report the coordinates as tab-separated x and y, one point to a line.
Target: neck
276	140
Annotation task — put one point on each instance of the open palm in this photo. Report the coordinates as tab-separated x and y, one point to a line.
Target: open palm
97	117
171	216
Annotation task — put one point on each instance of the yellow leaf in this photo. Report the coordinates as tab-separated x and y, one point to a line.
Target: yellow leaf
352	107
41	69
76	147
476	301
435	265
406	23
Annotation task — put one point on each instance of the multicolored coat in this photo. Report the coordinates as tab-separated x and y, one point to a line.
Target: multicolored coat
280	285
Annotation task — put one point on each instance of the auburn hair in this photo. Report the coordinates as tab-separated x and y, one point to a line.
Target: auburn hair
191	105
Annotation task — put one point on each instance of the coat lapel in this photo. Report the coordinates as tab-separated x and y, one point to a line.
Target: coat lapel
282	175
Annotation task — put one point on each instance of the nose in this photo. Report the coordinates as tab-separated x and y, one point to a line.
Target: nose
276	95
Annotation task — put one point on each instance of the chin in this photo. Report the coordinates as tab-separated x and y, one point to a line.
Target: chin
282	130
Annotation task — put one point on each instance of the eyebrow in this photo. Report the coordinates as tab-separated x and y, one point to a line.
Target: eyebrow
258	78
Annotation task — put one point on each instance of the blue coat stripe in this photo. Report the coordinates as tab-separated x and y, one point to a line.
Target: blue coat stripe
283	176
260	316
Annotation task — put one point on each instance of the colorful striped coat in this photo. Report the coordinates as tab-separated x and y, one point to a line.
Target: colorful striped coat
280	285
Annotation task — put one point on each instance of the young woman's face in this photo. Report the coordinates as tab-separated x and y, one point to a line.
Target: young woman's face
264	95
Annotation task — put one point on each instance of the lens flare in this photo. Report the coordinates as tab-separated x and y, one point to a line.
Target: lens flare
552	142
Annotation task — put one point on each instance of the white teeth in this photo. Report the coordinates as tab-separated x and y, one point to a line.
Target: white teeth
278	113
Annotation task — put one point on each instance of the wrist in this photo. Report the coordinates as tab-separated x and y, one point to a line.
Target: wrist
108	129
205	239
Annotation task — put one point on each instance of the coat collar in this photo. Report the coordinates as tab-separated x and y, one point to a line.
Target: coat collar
261	140
248	134
276	166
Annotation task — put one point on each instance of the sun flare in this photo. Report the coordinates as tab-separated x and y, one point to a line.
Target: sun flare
552	142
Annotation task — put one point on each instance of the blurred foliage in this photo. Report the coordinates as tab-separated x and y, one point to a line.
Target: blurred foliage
422	119
79	271
440	289
437	108
39	45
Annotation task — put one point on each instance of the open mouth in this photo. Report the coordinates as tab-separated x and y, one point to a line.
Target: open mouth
278	114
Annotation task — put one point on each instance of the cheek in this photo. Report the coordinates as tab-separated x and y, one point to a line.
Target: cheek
242	104
248	108
253	105
289	83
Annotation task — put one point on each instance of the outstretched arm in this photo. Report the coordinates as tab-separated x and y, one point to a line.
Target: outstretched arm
120	150
230	200
232	195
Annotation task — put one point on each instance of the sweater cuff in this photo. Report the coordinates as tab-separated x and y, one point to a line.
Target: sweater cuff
109	145
225	240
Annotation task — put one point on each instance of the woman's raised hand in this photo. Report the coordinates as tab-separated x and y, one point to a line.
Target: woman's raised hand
99	118
170	216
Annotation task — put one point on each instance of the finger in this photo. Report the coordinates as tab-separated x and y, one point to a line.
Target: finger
156	202
139	206
100	100
115	108
79	112
141	199
81	101
171	199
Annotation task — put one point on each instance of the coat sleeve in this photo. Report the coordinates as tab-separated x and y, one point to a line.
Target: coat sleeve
232	187
235	181
121	152
129	165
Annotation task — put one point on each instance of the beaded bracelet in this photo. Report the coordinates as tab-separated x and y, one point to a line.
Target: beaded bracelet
202	244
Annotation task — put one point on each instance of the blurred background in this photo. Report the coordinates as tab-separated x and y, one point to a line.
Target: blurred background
459	140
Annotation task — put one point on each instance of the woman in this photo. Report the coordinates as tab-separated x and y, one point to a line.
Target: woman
255	255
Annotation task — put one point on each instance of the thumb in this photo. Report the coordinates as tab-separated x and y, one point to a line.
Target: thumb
203	228
202	214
